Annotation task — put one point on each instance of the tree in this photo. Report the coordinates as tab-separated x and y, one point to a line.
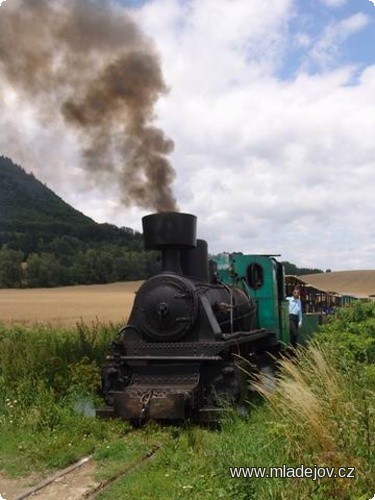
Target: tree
43	270
11	272
130	266
292	269
98	266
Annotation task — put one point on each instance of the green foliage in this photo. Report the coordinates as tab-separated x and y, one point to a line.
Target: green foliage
321	412
43	368
298	271
51	355
98	267
35	446
42	271
350	340
48	383
11	272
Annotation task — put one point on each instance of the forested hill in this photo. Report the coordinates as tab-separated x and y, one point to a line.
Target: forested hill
24	200
60	245
32	215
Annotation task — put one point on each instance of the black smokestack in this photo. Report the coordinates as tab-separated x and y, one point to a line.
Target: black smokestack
88	61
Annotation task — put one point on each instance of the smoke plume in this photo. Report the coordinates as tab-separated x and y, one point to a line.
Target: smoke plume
87	61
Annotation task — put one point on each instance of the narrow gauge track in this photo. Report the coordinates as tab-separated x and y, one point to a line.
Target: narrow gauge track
99	488
90	495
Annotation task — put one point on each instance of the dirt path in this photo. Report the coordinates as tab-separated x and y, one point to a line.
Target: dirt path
73	486
77	482
10	488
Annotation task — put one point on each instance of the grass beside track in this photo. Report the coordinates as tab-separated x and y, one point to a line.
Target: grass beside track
322	412
48	379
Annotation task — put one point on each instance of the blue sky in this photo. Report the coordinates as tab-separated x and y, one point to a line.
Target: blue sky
311	18
271	108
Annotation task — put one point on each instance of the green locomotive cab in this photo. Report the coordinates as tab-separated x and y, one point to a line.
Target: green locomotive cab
262	278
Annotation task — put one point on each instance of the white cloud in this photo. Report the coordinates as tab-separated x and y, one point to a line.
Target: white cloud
303	40
334	3
325	50
266	165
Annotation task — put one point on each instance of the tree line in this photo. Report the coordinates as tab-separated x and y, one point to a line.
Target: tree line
292	269
105	265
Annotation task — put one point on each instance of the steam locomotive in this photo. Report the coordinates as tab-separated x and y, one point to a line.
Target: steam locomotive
196	329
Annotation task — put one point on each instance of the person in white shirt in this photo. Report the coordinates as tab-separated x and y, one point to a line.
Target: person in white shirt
295	316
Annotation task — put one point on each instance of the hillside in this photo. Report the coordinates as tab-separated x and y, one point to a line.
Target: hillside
44	242
24	200
32	215
357	283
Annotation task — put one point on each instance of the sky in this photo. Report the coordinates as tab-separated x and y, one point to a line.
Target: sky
271	106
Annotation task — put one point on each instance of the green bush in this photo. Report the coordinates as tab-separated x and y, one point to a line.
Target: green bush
48	383
349	340
41	366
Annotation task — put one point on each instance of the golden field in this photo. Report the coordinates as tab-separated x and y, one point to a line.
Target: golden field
113	302
68	305
357	283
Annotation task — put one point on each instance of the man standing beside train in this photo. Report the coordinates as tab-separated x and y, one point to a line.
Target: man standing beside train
295	316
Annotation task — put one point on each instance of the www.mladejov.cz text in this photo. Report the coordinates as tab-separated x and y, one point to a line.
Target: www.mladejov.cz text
302	471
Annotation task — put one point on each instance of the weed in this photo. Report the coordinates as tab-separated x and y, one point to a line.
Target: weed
48	379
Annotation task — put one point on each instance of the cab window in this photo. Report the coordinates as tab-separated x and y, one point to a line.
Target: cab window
254	276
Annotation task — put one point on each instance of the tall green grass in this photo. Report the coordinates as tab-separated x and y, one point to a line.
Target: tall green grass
57	356
349	340
321	412
48	383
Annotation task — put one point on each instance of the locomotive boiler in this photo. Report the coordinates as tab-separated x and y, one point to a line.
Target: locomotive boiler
191	334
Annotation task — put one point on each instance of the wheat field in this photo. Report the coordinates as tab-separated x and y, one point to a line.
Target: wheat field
67	305
357	283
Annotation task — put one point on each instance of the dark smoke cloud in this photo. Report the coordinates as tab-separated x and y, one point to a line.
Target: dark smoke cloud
89	62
